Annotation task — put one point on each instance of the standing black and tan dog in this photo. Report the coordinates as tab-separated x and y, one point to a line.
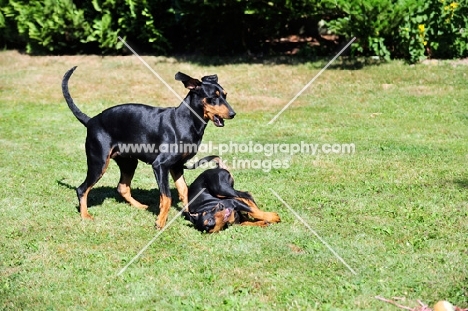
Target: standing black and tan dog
215	204
138	124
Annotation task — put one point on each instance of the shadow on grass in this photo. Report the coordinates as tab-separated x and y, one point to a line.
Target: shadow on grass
461	183
97	195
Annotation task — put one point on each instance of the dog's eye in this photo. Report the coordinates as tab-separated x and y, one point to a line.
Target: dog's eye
209	100
209	222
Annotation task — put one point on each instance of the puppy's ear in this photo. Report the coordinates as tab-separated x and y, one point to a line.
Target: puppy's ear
189	82
210	79
194	217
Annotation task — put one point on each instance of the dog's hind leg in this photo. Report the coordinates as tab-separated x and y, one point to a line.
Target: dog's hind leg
258	223
258	214
98	160
127	170
241	204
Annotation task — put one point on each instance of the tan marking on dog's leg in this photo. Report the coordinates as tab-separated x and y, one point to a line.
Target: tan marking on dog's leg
84	206
84	199
258	214
259	223
124	189
182	188
164	206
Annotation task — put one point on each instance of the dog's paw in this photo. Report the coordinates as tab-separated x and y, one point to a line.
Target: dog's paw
272	217
136	204
87	216
141	206
160	224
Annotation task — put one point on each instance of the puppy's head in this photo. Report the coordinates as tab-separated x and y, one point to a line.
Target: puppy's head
215	106
213	220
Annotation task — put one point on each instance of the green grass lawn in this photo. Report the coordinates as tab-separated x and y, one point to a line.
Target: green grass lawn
396	210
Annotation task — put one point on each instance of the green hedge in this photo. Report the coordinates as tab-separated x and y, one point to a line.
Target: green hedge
61	26
409	29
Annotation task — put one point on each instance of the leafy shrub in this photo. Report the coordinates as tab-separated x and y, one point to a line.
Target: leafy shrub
49	25
375	23
412	29
438	29
9	36
409	29
127	19
61	26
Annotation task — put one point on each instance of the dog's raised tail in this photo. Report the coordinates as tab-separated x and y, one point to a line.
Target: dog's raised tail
83	118
214	158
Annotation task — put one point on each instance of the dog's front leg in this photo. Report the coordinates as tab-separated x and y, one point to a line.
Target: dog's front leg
162	178
181	185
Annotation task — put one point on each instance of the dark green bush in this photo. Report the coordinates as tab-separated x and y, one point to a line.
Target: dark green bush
49	25
373	22
61	26
131	20
409	29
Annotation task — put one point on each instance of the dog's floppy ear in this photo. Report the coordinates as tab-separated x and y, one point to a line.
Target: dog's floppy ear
194	219
211	79
188	81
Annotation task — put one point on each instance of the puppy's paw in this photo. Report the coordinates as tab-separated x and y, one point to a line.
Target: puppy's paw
272	217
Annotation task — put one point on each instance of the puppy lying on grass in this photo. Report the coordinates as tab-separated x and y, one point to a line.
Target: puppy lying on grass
216	204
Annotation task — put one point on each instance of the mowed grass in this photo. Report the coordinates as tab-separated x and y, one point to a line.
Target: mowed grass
396	210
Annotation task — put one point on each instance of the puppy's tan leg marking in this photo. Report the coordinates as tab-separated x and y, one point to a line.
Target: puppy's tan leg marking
258	214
